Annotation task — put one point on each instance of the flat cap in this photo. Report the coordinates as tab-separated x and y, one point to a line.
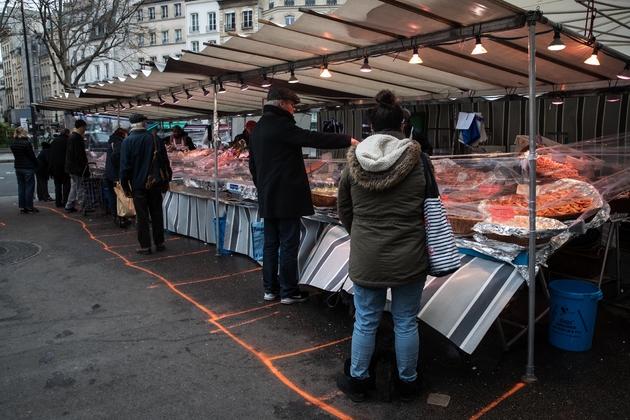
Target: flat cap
136	118
282	94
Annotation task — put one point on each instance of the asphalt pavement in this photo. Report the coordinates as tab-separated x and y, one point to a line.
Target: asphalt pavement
92	330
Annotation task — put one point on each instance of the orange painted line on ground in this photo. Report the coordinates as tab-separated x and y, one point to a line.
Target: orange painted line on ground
498	401
282	356
127	232
218	277
2	224
213	320
219	317
167	257
246	322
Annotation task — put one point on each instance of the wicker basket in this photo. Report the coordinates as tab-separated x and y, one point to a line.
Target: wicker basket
321	200
463	225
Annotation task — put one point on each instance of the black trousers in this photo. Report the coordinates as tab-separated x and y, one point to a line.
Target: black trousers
62	189
148	203
42	187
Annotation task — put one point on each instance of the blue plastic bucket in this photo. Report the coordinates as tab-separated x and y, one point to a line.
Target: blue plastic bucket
572	310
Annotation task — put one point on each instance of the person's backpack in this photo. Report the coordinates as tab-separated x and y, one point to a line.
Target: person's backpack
160	172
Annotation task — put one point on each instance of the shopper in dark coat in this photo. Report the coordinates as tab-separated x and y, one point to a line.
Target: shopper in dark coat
136	155
43	159
112	164
284	195
380	203
77	166
25	163
57	167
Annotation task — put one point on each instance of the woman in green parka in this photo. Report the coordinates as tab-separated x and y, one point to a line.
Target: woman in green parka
380	203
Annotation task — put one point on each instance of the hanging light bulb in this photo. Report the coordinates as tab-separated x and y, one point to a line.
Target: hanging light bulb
161	101
557	100
121	106
265	83
612	98
139	104
243	86
148	102
293	79
205	91
325	72
189	95
625	73
479	49
556	44
175	100
365	68
592	60
415	58
221	88
131	105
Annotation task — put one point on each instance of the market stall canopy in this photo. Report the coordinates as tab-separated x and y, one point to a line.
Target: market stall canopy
381	35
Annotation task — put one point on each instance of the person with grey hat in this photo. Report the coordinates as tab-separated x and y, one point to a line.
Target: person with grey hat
136	154
284	195
77	166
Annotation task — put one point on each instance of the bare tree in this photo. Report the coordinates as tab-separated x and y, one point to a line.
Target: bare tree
78	32
8	10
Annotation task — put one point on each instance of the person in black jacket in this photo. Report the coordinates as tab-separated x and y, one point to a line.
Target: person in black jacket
112	166
284	195
57	167
77	166
43	159
25	163
414	134
179	140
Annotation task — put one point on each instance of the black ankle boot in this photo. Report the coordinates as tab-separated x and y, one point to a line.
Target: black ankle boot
371	381
354	388
408	391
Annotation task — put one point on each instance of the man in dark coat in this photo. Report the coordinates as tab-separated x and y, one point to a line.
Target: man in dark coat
284	195
136	154
77	166
43	158
57	167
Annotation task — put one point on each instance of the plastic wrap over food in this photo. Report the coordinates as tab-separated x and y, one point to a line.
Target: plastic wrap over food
518	226
564	199
500	250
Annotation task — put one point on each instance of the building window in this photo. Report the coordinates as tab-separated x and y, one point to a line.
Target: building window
289	3
248	22
178	9
212	41
107	70
289	20
153	58
151	13
271	4
140	16
194	46
178	55
331	2
140	40
152	38
230	21
164	12
309	2
194	22
212	22
140	60
165	58
178	35
165	37
98	72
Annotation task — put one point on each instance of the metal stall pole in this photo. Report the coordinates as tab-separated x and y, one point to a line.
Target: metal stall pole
217	142
529	369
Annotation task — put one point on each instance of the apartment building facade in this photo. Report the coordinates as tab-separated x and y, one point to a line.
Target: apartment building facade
285	12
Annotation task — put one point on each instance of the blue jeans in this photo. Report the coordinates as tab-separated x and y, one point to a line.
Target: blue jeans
283	233
369	304
26	187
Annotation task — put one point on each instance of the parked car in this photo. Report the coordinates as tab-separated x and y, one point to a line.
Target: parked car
97	141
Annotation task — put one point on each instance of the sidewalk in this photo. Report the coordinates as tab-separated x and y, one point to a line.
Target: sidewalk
6	156
91	329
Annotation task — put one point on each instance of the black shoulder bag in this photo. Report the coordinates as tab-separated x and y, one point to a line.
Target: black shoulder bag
160	172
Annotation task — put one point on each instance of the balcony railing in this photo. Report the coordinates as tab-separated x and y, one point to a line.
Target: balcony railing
289	2
230	27
247	25
193	29
309	3
212	28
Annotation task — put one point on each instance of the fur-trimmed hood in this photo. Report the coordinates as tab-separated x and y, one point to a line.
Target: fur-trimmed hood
382	160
